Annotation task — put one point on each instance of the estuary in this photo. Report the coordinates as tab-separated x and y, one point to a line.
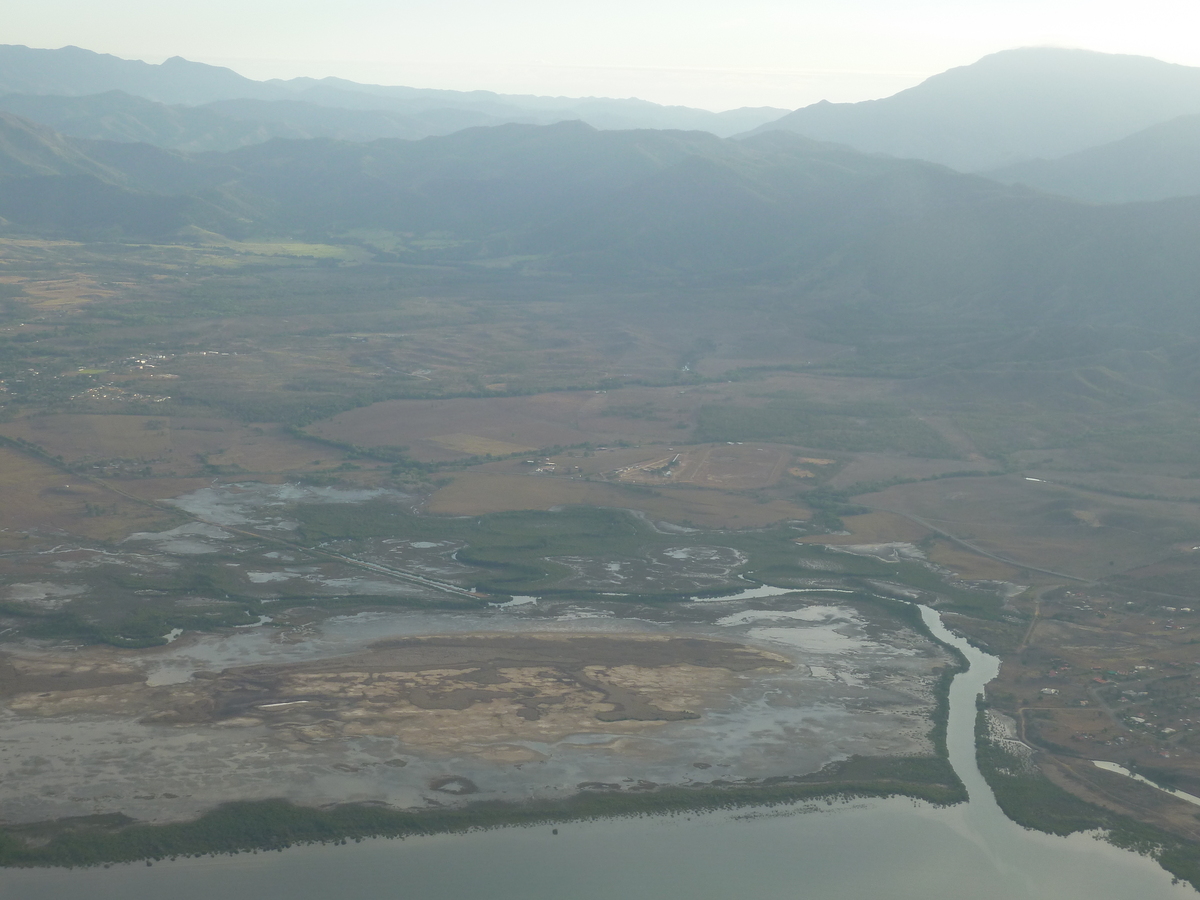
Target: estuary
861	849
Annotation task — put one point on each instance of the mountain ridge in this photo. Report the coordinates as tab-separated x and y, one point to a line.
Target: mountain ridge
74	71
1158	163
1008	107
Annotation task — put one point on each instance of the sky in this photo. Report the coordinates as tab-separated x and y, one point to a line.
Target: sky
703	53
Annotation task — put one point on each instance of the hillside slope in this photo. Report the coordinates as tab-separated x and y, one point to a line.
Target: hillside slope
1161	162
1009	107
118	116
56	186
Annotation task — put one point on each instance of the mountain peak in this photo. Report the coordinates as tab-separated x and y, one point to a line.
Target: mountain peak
1009	106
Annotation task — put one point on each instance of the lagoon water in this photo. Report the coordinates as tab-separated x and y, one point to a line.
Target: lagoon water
896	849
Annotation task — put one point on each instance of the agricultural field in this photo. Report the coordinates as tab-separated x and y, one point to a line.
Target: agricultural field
150	446
728	467
40	502
439	430
1046	524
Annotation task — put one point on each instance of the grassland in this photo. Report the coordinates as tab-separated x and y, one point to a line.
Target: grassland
37	498
874	528
1044	524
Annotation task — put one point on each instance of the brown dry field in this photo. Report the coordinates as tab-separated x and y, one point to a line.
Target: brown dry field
173	446
77	437
968	565
868	467
478	492
471	445
36	496
1036	523
883	528
732	467
74	289
873	528
749	347
422	425
1066	723
437	430
1137	480
954	436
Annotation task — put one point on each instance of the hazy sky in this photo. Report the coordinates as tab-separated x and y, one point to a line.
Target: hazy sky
695	52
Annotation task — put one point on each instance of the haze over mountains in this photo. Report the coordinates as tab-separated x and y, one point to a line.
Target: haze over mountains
1005	115
201	107
1009	107
883	239
1160	162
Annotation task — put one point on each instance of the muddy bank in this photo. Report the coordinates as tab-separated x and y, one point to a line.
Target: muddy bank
521	701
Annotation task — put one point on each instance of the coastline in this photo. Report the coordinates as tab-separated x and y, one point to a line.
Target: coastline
249	826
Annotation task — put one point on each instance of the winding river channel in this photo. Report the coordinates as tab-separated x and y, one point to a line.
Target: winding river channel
896	849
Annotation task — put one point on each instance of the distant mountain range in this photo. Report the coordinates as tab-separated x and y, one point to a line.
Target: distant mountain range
1093	126
229	124
887	241
1008	108
201	107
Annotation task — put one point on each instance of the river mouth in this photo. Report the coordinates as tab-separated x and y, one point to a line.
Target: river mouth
859	850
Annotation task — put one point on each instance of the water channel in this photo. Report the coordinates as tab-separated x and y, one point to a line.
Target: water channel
898	849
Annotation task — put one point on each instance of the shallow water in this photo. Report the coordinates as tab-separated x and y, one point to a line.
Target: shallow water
897	849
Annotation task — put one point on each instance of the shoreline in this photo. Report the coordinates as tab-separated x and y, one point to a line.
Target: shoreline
248	826
275	823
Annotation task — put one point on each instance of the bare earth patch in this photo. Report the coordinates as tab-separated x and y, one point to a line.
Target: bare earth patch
438	694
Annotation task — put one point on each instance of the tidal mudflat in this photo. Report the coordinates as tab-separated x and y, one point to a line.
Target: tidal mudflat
419	708
851	850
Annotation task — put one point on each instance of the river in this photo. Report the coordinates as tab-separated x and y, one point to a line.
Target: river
896	849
